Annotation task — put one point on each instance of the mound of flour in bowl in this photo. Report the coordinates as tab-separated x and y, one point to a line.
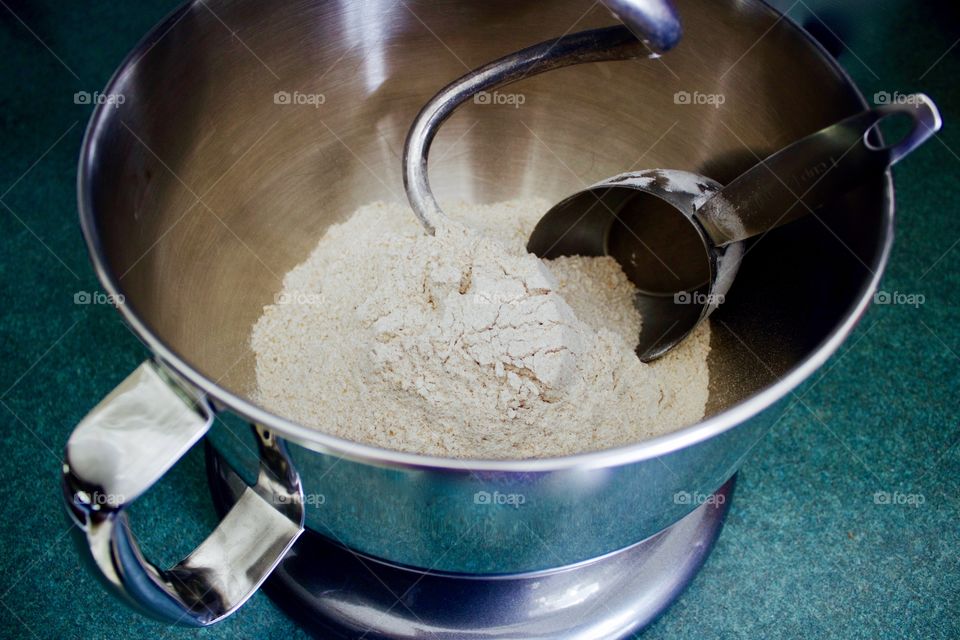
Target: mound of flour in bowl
462	344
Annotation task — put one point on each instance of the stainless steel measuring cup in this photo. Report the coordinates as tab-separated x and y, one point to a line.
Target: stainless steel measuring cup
677	235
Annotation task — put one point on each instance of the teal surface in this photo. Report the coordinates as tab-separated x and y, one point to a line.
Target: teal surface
812	548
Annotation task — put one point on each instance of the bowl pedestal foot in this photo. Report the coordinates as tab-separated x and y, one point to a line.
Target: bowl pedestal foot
335	592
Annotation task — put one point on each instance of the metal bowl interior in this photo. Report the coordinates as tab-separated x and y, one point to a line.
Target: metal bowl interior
219	172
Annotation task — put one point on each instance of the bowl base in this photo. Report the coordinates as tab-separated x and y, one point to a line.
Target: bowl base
336	592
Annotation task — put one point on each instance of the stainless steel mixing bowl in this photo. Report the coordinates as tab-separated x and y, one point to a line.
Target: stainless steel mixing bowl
250	127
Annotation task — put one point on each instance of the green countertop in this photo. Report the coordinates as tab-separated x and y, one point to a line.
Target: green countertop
807	550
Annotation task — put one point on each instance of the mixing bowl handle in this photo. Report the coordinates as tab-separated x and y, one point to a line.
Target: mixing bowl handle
120	449
597	45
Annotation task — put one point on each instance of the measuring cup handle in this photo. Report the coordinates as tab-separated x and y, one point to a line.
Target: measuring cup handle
124	445
810	172
926	123
611	43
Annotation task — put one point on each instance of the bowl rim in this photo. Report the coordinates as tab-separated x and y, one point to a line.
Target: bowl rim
222	398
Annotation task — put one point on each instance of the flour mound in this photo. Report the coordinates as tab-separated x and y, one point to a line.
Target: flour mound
480	315
463	344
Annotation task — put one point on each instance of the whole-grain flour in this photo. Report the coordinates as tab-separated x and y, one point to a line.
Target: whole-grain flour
462	344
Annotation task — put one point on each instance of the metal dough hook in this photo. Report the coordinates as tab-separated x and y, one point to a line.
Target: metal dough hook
677	235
